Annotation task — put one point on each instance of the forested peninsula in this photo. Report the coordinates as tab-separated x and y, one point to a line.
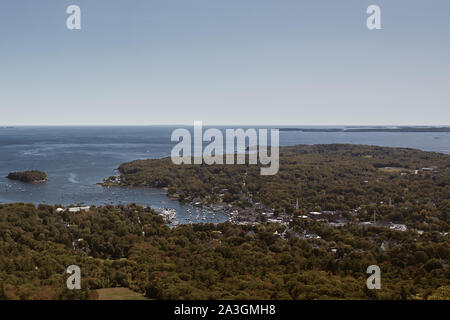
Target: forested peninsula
400	185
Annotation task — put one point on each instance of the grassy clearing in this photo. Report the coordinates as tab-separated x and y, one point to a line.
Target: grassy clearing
119	294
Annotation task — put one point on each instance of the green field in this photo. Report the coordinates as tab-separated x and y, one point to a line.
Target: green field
119	294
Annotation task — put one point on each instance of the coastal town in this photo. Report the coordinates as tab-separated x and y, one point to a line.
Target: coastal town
261	214
257	215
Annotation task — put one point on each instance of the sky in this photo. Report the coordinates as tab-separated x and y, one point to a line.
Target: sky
224	62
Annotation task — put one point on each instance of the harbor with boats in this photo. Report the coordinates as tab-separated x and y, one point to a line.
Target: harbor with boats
87	193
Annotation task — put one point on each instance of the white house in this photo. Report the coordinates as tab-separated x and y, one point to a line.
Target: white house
78	209
398	227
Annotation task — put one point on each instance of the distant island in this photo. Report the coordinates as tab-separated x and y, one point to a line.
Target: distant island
31	176
372	129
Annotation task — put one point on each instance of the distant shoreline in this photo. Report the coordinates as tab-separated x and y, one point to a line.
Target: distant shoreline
399	129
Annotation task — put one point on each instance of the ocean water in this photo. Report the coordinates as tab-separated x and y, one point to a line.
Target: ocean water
76	158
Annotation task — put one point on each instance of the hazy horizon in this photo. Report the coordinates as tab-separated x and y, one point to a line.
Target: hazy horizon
224	125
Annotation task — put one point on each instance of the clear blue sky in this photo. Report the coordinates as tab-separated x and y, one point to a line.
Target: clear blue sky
224	62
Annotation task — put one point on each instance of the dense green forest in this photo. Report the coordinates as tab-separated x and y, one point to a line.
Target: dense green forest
130	246
31	176
321	177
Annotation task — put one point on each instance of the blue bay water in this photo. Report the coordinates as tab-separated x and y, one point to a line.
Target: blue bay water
76	158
